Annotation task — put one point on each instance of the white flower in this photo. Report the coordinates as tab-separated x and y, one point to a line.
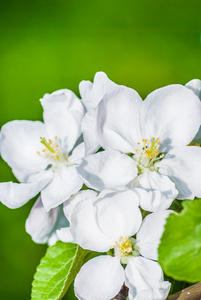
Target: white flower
43	156
195	86
92	94
109	224
154	133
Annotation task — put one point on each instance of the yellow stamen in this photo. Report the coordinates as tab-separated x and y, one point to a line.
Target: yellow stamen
124	246
152	150
51	149
147	153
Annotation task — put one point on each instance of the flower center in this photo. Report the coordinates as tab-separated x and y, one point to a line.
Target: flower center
124	248
147	154
53	151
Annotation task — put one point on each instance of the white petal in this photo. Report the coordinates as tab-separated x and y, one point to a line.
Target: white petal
89	130
21	177
70	204
92	93
107	169
118	120
151	230
101	278
53	239
65	235
77	154
65	183
62	222
182	165
20	141
195	86
161	190
144	279
14	195
63	113
40	223
85	230
153	294
171	113
118	214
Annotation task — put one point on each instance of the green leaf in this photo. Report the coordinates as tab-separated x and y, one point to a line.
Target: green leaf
180	247
57	270
70	295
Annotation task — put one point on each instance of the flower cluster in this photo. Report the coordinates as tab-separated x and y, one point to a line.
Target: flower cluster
99	165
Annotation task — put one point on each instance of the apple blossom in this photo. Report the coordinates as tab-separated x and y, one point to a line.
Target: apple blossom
43	156
151	136
110	224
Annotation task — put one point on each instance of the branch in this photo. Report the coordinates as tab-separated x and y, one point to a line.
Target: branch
122	294
192	292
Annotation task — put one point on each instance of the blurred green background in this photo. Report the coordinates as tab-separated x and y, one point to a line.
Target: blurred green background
48	45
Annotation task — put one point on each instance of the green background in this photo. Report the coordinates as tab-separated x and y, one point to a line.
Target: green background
48	45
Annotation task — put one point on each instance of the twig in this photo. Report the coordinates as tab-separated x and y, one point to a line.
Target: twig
192	292
122	294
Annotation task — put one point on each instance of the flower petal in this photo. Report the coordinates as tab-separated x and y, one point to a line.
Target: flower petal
118	214
182	165
168	113
20	142
77	154
85	230
92	93
118	120
61	223
151	230
195	86
40	223
65	235
144	279
63	113
161	190
89	130
14	195
70	204
21	177
65	183
107	169
101	278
